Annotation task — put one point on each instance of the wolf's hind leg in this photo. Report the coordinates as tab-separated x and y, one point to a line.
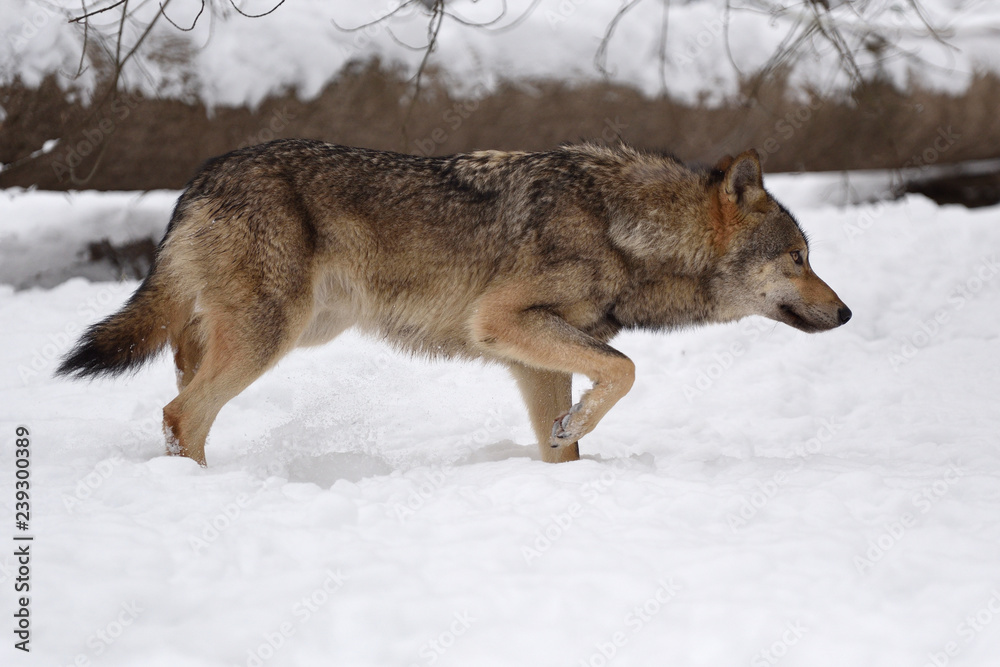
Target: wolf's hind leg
188	351
548	396
234	354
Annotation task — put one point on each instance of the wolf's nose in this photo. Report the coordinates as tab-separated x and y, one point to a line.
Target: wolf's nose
844	314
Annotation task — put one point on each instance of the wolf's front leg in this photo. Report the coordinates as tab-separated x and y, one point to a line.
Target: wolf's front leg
548	396
539	339
610	384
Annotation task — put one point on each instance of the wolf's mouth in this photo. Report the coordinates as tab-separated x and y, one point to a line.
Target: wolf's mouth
791	318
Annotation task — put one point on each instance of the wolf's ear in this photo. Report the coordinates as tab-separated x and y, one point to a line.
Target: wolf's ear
724	164
741	173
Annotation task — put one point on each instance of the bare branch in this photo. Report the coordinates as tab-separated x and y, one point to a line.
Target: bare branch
433	30
138	42
481	24
397	40
662	46
86	37
726	15
516	22
601	57
374	21
438	12
922	15
193	23
833	35
118	41
256	16
87	15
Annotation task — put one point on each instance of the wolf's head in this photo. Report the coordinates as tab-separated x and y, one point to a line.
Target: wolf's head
764	263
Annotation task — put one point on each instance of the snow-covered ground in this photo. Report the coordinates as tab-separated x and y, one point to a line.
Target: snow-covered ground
232	59
761	497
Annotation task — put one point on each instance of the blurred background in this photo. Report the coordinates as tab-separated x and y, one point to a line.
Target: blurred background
134	95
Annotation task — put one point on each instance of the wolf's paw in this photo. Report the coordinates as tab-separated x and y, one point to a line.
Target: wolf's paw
566	429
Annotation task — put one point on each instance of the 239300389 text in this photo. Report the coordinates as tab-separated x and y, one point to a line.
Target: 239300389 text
22	538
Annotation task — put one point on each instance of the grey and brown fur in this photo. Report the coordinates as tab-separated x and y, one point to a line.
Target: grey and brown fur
531	260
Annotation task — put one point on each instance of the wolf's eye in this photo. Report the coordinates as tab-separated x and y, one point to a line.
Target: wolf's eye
796	257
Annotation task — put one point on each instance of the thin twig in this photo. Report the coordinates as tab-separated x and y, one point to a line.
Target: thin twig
516	22
397	40
87	15
433	30
662	46
256	16
921	14
601	57
833	35
375	21
726	16
86	37
193	23
481	24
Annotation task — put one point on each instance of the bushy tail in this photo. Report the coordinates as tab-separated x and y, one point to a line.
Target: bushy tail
127	339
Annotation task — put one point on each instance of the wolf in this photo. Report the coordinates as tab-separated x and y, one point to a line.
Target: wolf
531	260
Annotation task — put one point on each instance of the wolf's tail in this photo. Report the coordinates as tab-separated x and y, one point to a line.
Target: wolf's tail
129	338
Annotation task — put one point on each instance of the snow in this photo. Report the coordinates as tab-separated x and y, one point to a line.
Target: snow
46	233
761	497
231	59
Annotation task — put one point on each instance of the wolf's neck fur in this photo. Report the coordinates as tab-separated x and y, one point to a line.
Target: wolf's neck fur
666	227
